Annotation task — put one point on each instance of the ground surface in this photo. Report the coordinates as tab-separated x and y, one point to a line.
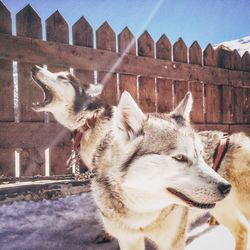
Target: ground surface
72	223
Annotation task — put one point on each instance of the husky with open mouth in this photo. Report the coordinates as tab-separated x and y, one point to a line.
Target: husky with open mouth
144	165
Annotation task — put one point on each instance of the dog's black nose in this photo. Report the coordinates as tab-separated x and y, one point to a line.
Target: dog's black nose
224	188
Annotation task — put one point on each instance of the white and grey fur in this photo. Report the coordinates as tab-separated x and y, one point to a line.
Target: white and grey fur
145	165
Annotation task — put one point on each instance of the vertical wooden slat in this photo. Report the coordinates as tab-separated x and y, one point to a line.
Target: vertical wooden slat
106	40
28	24
6	74
164	95
57	30
245	61
7	160
179	55
197	114
210	56
60	152
127	45
246	111
164	86
195	54
224	58
238	104
227	104
180	89
180	51
164	48
236	60
213	99
82	34
146	84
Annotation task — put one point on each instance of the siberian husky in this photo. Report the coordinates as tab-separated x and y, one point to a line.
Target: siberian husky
234	211
144	165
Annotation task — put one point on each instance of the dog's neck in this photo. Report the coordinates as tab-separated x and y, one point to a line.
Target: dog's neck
92	137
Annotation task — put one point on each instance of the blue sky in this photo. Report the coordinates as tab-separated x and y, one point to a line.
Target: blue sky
207	21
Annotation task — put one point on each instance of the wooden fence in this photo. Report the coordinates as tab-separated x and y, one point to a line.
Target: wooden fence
156	74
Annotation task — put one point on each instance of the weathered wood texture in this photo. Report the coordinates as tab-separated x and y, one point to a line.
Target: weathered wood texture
127	46
37	51
157	75
57	30
82	34
106	40
7	156
147	87
7	160
6	76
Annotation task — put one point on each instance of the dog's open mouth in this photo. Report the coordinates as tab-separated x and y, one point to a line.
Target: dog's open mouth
47	94
189	201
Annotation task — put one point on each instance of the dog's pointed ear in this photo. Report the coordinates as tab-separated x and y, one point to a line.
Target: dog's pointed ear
129	117
182	112
94	90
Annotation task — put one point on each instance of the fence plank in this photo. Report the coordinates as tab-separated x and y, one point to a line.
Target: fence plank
164	87
38	51
224	58
127	45
210	56
105	39
213	112
83	36
246	112
195	53
28	24
146	84
179	55
7	162
238	104
180	89
245	60
164	48
57	30
6	72
197	114
164	95
7	157
180	51
227	104
236	60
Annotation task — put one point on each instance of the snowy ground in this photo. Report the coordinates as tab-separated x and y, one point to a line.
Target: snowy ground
72	223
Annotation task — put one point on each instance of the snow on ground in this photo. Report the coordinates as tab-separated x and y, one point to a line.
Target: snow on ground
71	223
241	45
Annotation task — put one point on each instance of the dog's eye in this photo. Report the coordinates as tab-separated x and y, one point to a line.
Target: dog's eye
62	77
181	158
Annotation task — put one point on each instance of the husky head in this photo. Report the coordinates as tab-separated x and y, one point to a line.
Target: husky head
160	160
64	96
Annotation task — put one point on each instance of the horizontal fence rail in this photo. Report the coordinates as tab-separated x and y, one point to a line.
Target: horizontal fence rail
157	74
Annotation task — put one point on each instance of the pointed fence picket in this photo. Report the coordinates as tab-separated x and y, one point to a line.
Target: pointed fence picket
157	75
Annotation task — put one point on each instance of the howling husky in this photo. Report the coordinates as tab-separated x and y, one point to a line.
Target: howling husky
144	165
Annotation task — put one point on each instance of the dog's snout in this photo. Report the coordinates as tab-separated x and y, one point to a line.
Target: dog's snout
224	188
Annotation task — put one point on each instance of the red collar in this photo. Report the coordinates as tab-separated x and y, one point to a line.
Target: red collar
220	151
78	133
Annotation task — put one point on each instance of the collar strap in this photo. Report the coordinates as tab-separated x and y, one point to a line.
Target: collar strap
78	133
220	151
